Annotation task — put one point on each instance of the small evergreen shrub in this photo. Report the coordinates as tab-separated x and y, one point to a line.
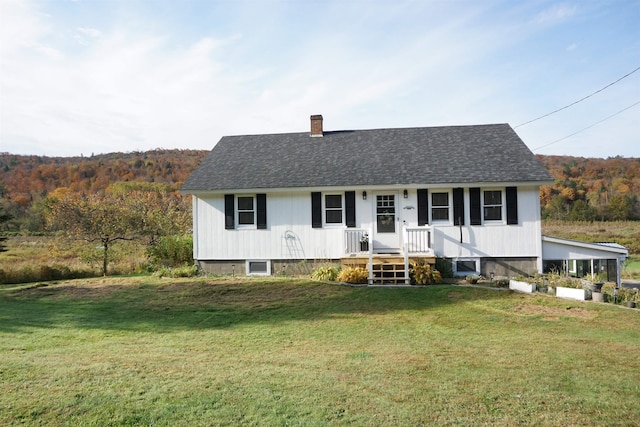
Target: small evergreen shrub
445	267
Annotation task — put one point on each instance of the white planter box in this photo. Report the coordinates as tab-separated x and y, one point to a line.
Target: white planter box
516	285
571	293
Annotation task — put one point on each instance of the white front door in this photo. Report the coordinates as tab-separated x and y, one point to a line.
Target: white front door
386	223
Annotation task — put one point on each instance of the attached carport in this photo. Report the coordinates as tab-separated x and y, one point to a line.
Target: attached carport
582	259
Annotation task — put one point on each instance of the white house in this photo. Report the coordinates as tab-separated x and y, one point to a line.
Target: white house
266	203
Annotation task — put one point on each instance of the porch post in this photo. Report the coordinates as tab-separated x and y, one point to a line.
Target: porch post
405	250
371	257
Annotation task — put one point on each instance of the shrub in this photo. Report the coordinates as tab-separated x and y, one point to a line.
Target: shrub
185	271
445	267
623	294
354	275
422	274
171	251
326	273
557	279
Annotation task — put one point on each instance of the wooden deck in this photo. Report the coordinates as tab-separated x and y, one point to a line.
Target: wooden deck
387	268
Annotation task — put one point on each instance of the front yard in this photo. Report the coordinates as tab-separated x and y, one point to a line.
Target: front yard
146	351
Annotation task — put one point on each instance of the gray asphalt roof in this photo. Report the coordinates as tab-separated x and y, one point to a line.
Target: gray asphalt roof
406	156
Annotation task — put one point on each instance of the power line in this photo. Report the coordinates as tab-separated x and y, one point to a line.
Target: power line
588	127
579	100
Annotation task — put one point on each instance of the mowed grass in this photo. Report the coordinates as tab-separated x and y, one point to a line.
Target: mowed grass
145	351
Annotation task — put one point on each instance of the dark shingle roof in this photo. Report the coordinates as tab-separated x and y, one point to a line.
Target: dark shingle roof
419	156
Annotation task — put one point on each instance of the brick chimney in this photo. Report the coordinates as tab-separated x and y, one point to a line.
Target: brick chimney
316	125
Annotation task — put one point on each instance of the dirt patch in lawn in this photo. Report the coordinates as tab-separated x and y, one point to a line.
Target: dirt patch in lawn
553	313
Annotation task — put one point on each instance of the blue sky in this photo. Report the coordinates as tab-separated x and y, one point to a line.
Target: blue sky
82	77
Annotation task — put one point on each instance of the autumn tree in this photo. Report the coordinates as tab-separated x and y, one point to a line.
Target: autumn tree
160	212
126	211
581	211
100	218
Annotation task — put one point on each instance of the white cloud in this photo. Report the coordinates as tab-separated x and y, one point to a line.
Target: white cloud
131	88
555	14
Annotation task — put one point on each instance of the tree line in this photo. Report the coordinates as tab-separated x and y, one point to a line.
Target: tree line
584	189
591	189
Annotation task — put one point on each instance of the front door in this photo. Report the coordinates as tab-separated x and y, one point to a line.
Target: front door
387	233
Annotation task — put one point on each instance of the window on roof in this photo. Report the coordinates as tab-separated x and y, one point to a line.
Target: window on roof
333	208
492	207
440	206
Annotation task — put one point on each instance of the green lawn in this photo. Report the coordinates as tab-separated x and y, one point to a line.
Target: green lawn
145	351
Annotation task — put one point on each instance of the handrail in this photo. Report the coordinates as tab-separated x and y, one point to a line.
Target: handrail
418	239
353	239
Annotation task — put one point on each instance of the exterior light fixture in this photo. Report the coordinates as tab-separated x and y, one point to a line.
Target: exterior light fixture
406	194
364	195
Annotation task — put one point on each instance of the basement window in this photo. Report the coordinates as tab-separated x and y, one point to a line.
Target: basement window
466	267
258	268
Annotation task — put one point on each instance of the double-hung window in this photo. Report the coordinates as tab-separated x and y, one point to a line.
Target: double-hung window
333	208
440	206
246	210
492	205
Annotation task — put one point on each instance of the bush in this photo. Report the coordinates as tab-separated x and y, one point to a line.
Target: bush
423	274
171	251
445	267
354	275
557	279
185	271
326	273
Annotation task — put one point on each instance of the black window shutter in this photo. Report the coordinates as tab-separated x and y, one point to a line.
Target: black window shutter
458	206
475	207
350	206
423	207
316	210
512	205
229	211
261	201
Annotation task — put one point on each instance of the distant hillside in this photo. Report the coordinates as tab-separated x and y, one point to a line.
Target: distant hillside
591	188
37	175
584	188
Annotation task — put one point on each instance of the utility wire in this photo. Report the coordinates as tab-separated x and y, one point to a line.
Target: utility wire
588	127
579	100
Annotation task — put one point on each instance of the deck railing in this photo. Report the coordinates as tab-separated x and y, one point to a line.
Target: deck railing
355	241
417	240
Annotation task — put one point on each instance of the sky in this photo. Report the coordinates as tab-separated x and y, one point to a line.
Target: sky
83	77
